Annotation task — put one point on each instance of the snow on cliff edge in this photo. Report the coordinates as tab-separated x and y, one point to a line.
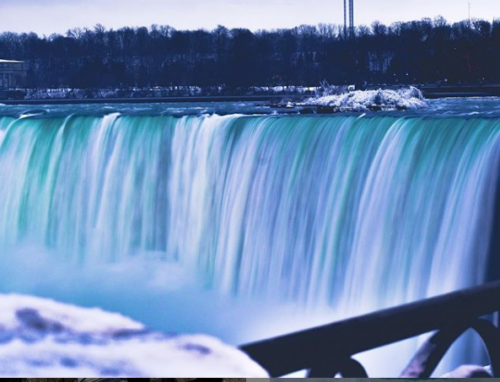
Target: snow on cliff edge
41	338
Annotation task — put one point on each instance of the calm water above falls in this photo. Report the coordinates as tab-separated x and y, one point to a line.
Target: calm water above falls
195	223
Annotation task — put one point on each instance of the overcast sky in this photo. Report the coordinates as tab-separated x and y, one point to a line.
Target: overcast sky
50	16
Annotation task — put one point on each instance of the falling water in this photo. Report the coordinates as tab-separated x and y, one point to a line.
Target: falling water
351	212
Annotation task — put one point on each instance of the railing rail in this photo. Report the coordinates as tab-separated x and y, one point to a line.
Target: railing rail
327	350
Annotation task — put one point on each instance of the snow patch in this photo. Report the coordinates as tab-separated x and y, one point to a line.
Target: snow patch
381	99
41	337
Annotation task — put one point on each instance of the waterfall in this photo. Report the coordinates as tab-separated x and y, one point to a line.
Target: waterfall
348	213
353	212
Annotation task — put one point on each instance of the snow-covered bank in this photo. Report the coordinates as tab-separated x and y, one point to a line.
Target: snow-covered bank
41	338
160	92
381	99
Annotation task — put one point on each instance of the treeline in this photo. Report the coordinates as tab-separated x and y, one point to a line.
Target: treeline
426	51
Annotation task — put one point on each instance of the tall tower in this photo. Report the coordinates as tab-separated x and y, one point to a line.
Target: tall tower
345	17
349	13
351	17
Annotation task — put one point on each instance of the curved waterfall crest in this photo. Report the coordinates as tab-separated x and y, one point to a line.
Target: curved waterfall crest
354	212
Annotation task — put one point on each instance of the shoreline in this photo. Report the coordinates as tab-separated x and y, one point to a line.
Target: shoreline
186	99
433	92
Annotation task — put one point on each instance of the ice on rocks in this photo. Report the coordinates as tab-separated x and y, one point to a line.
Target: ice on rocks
41	337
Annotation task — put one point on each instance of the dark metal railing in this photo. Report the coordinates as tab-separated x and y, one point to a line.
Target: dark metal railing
327	350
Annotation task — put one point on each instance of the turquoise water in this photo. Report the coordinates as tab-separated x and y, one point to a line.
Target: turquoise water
245	226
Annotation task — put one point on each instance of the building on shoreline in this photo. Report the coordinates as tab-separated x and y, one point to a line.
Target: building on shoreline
12	74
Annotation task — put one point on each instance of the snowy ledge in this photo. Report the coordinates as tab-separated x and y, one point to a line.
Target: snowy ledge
370	100
41	338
